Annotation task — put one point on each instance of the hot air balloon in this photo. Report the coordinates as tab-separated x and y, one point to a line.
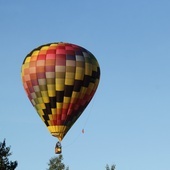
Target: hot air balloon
60	80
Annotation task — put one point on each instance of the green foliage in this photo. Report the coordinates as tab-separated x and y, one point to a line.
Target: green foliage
113	167
55	163
5	164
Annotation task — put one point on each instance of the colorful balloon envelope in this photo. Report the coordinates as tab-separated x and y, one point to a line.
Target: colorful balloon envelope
60	80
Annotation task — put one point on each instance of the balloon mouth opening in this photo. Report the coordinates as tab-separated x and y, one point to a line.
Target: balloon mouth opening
58	136
58	131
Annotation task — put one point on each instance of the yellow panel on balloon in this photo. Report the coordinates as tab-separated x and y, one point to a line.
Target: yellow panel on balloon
69	81
66	100
53	111
27	60
35	52
59	87
59	105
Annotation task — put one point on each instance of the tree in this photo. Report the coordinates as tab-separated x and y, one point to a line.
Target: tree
55	163
113	167
5	164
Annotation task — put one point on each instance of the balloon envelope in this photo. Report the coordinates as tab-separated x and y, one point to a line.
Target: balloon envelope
60	79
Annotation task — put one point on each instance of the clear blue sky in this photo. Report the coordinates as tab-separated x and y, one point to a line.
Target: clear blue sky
128	122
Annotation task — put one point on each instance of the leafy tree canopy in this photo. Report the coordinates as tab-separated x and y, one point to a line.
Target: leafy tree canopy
5	164
56	163
113	167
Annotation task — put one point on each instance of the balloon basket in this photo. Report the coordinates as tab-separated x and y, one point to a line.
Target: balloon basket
58	148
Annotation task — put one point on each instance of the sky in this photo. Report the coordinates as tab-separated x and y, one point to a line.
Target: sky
128	121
